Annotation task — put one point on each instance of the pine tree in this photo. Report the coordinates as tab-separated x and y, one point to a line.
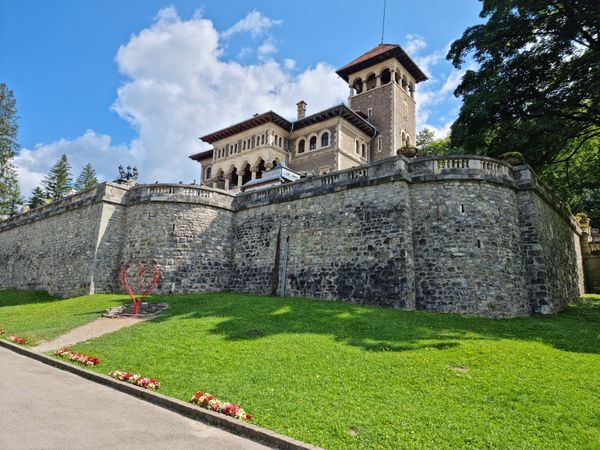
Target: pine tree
58	181
10	194
38	198
86	179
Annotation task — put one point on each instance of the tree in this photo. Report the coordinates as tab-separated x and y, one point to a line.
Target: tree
10	194
424	138
537	88
38	198
58	181
577	180
86	179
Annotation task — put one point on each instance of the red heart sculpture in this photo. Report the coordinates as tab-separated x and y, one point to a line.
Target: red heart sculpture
135	292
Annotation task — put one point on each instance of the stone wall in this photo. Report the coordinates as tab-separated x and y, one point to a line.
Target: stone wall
53	248
353	244
453	234
590	247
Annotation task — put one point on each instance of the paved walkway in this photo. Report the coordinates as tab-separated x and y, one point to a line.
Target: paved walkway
47	408
98	327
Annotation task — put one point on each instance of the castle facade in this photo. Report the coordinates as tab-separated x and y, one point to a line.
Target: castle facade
378	121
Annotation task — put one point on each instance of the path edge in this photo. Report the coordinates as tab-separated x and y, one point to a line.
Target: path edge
238	427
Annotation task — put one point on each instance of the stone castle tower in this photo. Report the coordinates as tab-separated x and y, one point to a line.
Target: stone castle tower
382	87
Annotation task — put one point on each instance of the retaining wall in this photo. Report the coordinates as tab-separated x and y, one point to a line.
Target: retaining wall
452	234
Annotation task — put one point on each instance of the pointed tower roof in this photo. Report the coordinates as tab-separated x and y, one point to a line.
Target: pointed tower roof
381	53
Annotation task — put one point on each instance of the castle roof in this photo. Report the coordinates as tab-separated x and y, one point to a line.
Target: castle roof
205	154
378	54
342	111
255	121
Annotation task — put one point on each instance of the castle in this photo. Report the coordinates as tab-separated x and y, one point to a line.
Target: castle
462	234
379	121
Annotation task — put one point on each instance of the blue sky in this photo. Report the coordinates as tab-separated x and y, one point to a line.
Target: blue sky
137	81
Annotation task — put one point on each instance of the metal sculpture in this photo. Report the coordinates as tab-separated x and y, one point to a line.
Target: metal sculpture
135	292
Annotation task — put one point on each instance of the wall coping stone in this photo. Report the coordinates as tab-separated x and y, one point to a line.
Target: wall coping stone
107	192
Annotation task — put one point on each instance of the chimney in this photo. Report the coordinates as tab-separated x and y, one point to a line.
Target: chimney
301	109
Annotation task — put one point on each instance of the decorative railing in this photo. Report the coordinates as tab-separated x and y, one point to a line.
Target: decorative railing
452	163
162	190
330	179
486	165
358	173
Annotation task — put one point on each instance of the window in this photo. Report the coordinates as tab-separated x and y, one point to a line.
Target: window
370	114
262	140
325	140
379	144
301	145
208	172
280	142
363	150
405	110
356	146
312	144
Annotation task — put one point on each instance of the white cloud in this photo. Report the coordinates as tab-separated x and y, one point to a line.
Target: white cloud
88	148
179	88
414	43
266	49
254	23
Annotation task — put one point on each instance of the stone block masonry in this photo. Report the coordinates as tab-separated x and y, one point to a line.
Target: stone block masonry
455	234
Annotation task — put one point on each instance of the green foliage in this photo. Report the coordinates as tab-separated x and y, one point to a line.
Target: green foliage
442	146
10	194
576	179
424	138
344	376
38	198
517	156
87	179
58	181
537	88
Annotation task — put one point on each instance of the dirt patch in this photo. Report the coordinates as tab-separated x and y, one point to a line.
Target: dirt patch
146	310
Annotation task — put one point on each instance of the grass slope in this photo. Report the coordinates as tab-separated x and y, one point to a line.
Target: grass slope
345	376
38	316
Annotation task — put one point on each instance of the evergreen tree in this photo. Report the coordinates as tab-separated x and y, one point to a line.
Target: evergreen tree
424	138
86	179
38	198
10	194
58	181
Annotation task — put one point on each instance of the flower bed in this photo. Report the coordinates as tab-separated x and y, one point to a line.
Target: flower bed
77	357
207	401
138	380
17	339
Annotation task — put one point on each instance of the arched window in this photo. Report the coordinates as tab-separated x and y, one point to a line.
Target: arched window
358	86
363	150
244	145
324	139
280	142
356	146
386	76
208	172
371	81
301	145
262	140
312	144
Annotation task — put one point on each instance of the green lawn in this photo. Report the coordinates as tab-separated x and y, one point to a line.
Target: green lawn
38	316
345	376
